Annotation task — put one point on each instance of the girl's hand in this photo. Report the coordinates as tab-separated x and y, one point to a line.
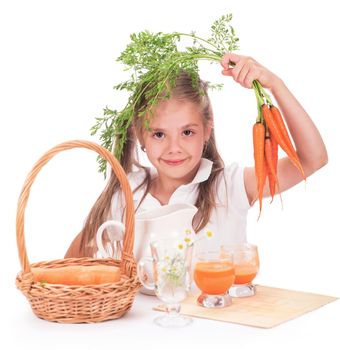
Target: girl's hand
246	70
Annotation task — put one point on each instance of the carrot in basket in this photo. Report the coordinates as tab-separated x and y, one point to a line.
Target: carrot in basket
276	132
260	165
77	275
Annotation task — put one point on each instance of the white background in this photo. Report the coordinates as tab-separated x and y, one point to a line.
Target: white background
57	70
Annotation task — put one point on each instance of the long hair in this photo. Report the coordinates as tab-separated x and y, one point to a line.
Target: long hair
184	90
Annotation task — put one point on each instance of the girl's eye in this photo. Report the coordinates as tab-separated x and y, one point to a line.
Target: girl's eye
188	132
158	135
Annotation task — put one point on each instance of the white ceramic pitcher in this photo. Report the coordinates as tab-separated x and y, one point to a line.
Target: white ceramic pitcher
167	221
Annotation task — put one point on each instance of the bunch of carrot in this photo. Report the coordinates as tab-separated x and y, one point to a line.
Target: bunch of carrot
269	132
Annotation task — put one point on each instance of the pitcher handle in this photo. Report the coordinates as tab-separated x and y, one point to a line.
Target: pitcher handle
117	237
143	274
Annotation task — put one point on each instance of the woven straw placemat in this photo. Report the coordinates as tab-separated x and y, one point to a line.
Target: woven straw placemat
268	308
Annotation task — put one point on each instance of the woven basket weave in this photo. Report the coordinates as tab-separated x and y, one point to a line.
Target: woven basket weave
79	304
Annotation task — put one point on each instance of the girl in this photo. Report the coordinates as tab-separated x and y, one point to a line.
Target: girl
187	166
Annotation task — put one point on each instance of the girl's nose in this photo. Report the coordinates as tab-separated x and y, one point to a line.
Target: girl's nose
174	145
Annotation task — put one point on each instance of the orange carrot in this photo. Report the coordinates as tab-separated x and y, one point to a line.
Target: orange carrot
281	125
275	131
272	178
275	150
260	165
77	275
271	155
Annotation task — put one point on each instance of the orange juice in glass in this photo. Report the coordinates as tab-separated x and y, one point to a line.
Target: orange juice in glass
246	262
214	274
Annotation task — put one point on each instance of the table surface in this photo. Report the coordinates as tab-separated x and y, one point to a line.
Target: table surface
136	328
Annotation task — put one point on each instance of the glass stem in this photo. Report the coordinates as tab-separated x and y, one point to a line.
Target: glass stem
173	309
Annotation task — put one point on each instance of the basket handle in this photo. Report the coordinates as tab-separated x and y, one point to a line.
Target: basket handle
116	168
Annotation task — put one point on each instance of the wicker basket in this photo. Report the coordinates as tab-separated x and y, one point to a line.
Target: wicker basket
79	304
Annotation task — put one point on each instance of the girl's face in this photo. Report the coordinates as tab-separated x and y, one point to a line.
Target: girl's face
175	142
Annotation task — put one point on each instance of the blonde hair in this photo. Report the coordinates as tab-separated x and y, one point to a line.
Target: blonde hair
185	89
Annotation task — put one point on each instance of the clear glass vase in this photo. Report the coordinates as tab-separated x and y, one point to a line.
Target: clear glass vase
170	266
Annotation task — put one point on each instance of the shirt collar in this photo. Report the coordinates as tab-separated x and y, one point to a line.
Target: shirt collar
203	171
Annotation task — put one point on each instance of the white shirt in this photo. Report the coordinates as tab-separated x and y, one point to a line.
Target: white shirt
228	221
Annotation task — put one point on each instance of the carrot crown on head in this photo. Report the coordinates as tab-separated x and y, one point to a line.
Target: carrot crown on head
155	60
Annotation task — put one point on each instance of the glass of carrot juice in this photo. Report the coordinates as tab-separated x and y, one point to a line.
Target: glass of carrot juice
246	262
214	274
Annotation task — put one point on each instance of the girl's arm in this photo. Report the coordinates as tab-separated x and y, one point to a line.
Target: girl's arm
307	139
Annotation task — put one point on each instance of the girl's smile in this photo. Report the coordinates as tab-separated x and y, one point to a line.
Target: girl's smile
174	162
